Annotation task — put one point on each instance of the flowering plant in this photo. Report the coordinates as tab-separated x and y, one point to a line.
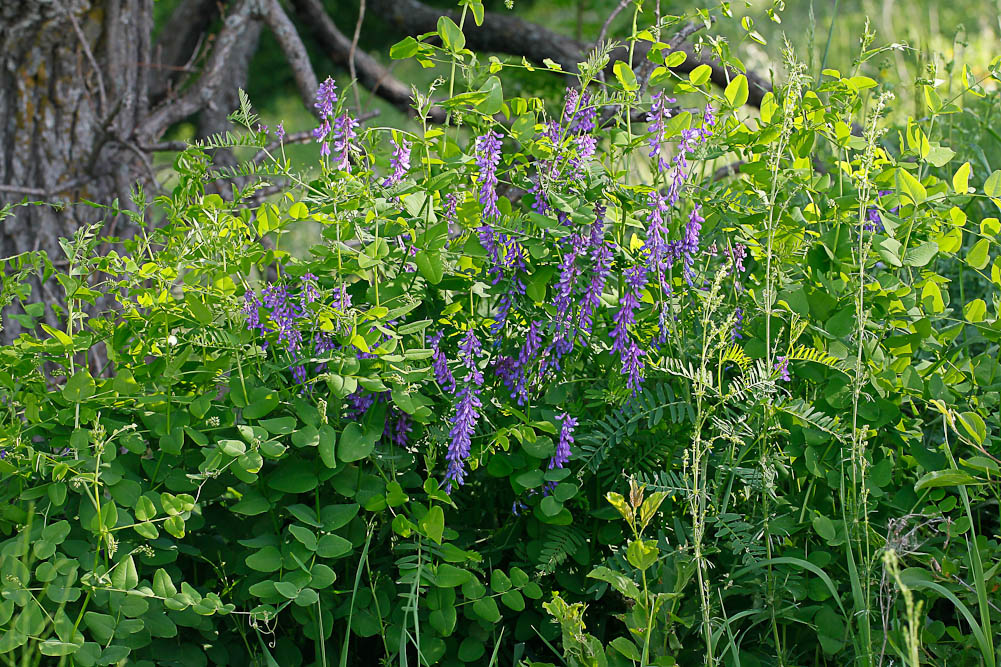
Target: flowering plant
412	438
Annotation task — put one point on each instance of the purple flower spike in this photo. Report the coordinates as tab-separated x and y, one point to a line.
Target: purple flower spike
658	116
690	244
488	154
782	366
466	414
451	203
629	352
280	131
326	98
562	455
400	162
343	134
738	324
442	374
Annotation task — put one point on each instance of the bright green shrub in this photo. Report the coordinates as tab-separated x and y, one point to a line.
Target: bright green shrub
771	383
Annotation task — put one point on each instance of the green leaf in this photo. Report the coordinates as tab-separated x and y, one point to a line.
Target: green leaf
430	266
405	48
450	576
974	426
80	387
921	255
232	448
700	75
931	297
625	76
433	523
979	255
910	186
162	584
825	528
624	646
327	445
304	535
332	546
618	581
451	36
268	559
992	187
355	444
975	310
494	100
262	402
499	582
736	91
174	526
961	179
641	554
486	608
945	478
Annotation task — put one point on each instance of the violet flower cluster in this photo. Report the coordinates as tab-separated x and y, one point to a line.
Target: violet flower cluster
466	413
782	366
658	117
397	427
690	243
601	259
442	373
340	131
562	455
288	315
400	162
691	139
630	354
875	220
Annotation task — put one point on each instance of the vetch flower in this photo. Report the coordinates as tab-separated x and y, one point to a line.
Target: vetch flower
630	354
320	134
280	131
578	112
442	374
658	116
451	202
326	98
736	255
488	154
466	414
782	366
738	324
690	244
562	455
517	378
343	134
400	162
657	249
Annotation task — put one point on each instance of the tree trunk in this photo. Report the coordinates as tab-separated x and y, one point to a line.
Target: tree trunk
73	87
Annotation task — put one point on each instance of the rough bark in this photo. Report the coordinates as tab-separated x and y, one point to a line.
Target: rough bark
72	92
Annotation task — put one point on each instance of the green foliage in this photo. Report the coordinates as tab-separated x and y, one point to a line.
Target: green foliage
239	448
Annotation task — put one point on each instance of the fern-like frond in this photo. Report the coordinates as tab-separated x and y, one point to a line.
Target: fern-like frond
560	543
736	354
807	353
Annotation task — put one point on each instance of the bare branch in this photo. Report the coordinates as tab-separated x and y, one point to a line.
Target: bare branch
503	33
180	40
354	49
293	48
200	92
608	22
370	72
